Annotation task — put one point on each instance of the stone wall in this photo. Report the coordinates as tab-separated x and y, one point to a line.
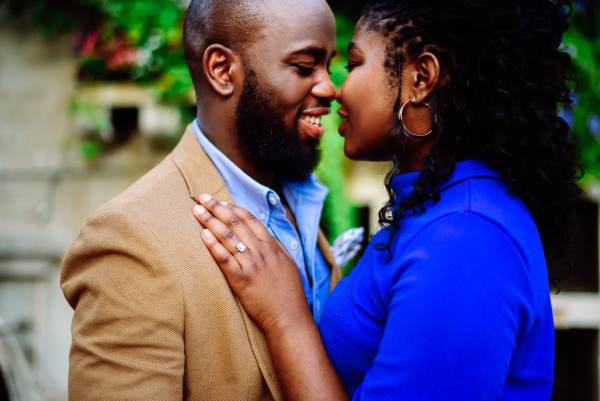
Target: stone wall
47	190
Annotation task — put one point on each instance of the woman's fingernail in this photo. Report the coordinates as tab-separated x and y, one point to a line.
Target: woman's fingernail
199	209
224	204
205	197
206	234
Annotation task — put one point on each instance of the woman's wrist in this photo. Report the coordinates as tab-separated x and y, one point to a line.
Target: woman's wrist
301	362
289	323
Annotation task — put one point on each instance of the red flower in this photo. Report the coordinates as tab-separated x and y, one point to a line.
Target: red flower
89	43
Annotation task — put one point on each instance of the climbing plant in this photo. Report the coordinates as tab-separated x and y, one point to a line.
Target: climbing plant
582	41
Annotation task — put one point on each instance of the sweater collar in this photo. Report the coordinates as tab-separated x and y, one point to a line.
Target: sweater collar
402	184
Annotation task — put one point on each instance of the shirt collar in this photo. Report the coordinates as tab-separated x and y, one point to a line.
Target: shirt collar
310	190
254	196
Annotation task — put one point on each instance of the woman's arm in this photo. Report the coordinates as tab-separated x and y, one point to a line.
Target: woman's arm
302	365
267	283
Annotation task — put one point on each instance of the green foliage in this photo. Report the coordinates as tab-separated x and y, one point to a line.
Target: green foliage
91	148
141	21
119	40
139	42
93	124
584	48
339	213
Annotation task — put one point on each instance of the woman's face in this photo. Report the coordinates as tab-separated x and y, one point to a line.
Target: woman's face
367	98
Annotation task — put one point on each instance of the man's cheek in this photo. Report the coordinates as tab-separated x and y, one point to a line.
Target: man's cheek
291	121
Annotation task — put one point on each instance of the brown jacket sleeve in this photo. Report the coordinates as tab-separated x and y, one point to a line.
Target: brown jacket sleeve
128	324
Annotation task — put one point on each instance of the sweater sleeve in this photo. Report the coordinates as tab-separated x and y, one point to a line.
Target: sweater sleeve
459	296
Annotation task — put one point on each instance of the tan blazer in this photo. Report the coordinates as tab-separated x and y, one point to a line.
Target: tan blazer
154	317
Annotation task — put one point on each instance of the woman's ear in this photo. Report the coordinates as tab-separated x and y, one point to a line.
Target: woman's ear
220	64
425	76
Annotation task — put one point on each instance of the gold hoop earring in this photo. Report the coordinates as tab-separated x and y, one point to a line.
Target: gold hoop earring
406	131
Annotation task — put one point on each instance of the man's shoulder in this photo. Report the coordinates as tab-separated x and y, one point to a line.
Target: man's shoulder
150	191
151	220
157	207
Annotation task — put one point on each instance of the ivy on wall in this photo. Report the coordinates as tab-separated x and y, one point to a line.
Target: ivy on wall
118	40
139	43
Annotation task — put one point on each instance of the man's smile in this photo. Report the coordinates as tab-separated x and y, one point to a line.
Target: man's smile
309	122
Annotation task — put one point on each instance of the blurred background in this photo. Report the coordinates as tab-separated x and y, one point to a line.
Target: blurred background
96	92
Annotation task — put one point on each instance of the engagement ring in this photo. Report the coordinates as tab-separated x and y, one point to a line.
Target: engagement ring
240	247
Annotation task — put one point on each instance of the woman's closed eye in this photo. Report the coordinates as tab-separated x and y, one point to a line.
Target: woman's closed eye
350	66
353	62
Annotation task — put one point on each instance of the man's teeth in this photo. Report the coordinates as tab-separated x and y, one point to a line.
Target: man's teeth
314	120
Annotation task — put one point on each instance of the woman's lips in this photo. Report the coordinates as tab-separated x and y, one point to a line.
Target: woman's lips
343	128
344	125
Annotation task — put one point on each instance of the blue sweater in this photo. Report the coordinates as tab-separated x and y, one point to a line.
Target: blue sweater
460	312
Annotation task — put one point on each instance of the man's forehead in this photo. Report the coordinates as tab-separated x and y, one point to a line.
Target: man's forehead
299	23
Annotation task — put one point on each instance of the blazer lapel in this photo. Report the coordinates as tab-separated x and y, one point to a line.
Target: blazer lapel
198	171
201	176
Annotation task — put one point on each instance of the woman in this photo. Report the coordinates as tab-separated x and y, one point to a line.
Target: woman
451	298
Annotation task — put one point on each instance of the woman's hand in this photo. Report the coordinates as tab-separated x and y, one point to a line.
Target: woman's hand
267	282
258	270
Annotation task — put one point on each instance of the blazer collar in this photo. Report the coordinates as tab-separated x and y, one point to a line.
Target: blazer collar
198	171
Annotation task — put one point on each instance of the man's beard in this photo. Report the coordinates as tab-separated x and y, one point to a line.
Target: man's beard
267	141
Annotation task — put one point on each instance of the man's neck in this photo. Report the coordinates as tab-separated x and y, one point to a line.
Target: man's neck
225	139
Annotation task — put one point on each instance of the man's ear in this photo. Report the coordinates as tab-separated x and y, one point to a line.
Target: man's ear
425	77
220	64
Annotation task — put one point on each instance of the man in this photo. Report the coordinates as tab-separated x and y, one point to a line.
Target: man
154	317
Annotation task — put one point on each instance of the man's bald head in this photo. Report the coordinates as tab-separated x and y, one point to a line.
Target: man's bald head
232	23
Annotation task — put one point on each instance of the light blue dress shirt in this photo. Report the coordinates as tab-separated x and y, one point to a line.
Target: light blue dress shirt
305	200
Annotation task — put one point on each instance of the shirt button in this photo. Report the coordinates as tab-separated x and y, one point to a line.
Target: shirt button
272	199
263	216
294	244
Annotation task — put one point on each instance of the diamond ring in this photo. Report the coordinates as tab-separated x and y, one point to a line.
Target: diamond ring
240	248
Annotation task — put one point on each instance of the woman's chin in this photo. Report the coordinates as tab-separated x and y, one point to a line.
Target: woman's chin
350	151
359	153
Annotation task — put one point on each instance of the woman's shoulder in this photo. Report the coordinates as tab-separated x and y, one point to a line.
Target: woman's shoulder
474	221
476	196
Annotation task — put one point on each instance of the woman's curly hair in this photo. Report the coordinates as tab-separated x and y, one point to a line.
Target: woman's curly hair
506	78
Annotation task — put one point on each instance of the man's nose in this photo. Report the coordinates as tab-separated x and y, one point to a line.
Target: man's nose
324	89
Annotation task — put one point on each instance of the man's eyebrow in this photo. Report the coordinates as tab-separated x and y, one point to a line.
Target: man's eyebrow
315	51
